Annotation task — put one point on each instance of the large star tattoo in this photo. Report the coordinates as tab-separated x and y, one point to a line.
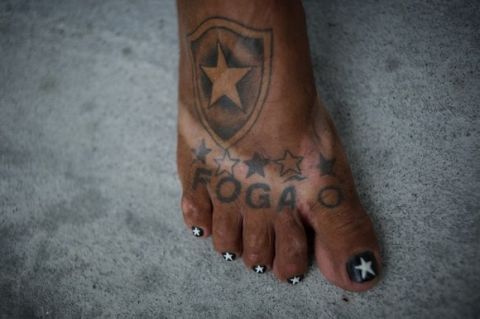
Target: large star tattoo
289	163
201	152
256	165
226	164
224	79
326	165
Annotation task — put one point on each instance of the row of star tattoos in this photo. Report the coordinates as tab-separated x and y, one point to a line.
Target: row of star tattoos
289	164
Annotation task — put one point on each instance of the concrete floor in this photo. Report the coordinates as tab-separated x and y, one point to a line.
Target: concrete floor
90	225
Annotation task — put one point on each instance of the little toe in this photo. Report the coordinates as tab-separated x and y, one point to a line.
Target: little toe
197	213
258	241
291	253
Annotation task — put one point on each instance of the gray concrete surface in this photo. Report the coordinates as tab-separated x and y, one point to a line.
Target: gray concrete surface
89	220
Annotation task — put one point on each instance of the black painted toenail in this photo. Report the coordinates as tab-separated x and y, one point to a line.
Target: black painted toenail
259	269
229	256
295	279
362	267
197	231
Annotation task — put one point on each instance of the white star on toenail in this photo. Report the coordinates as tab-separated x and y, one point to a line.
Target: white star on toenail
295	280
259	269
365	267
228	256
196	231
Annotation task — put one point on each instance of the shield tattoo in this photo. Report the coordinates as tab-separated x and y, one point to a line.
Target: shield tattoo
231	74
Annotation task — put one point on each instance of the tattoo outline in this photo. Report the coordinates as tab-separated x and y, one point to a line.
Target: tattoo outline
212	41
323	196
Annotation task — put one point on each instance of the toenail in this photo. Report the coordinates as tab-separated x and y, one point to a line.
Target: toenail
229	256
197	231
259	269
362	267
295	279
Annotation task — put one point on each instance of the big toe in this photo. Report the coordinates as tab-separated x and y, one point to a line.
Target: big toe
346	248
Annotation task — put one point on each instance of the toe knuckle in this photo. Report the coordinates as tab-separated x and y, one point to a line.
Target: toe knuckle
188	208
255	241
350	223
297	247
252	258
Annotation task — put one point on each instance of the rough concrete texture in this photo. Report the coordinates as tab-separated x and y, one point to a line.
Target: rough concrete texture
90	225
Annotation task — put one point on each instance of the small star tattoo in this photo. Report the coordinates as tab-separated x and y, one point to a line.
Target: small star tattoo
201	152
228	256
289	163
226	164
295	280
256	165
259	269
326	165
196	231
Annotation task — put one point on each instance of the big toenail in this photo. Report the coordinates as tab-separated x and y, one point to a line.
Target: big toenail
362	267
197	231
259	269
229	256
295	279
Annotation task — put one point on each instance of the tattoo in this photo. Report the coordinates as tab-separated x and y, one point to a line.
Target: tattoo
289	163
201	152
287	199
226	164
231	74
256	165
330	196
201	176
326	165
263	199
234	193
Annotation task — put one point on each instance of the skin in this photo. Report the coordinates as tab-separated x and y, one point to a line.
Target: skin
284	170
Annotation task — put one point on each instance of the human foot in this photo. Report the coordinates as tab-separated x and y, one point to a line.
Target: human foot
258	156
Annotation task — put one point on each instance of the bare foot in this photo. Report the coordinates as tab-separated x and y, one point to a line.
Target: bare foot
258	156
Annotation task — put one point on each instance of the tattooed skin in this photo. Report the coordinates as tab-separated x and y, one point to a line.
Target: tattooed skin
233	187
330	196
201	176
228	187
262	199
200	152
231	76
326	165
289	163
231	69
226	164
288	199
256	165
